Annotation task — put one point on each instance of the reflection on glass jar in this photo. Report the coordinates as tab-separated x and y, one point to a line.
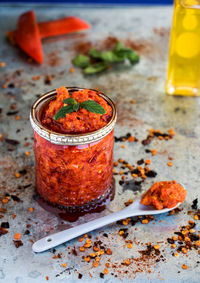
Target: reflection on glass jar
74	173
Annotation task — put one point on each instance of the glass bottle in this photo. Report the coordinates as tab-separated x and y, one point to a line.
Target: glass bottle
183	76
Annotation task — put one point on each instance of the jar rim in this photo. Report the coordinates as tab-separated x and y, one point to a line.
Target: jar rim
70	139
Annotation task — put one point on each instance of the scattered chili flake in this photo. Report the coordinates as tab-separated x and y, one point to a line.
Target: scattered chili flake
47	278
2	64
87	259
131	139
127	262
194	203
145	221
122	146
17	236
18	243
35	78
64	264
156	247
101	275
109	252
13	216
3	231
170	164
17	175
95	263
132	101
105	271
153	151
5	225
31	209
72	70
184	266
81	249
27	153
130	245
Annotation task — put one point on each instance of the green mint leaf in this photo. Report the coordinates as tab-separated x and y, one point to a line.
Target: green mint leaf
81	61
69	100
93	107
95	68
133	57
119	47
111	57
95	53
76	106
63	111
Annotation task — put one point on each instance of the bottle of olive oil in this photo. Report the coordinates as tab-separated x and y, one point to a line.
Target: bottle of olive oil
183	76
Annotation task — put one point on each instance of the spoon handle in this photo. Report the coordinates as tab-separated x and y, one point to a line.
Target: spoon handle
66	235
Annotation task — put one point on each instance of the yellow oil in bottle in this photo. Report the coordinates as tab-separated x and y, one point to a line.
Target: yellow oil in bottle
184	53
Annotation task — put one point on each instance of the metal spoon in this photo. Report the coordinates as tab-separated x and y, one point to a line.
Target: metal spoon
135	209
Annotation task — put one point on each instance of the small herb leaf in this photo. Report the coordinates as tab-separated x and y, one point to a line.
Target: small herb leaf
69	100
133	57
76	106
111	57
96	68
93	107
63	111
81	61
95	53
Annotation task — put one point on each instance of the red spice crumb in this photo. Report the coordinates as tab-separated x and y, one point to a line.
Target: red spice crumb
107	264
35	78
17	236
127	262
47	278
64	264
31	209
27	153
72	70
2	64
81	249
184	266
170	164
105	271
132	101
153	151
13	216
122	146
131	139
109	252
17	175
156	247
95	263
130	245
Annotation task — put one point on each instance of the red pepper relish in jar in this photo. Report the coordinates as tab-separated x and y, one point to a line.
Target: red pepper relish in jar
73	145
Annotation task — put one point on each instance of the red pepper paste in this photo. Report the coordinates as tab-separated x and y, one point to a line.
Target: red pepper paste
166	194
79	122
70	176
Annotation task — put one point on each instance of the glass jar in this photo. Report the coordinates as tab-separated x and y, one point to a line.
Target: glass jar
74	173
